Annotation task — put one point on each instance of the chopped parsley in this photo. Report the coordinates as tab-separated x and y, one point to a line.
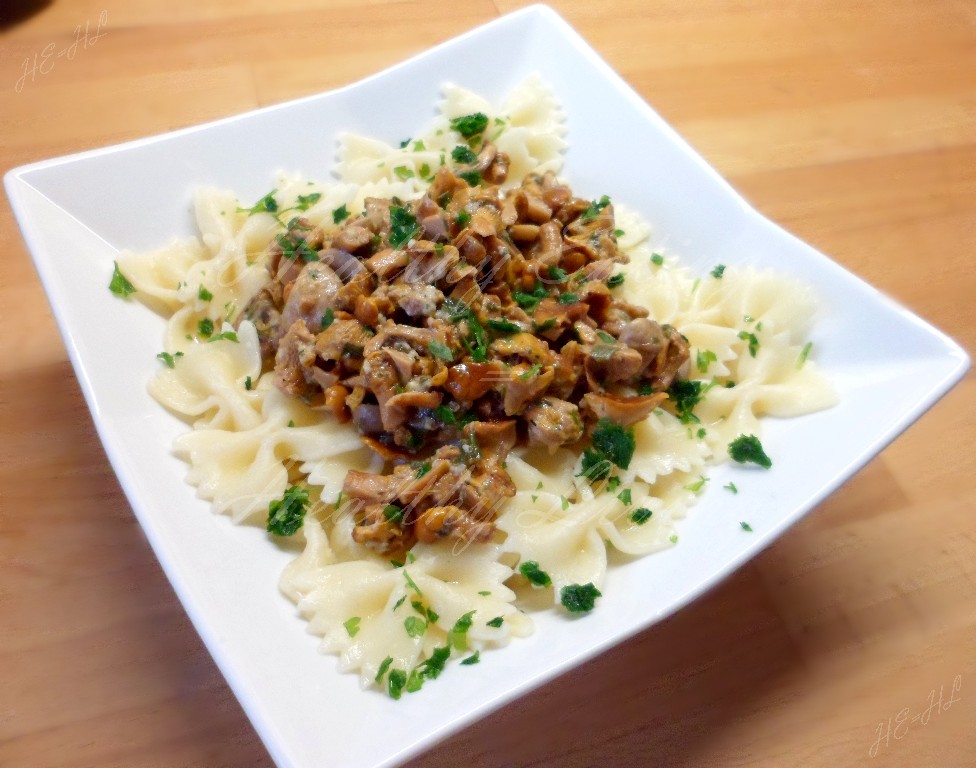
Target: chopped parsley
474	658
530	570
393	513
496	622
225	336
412	584
286	515
248	385
203	294
531	372
441	350
718	272
403	226
307	201
624	497
463	155
730	487
403	173
396	683
119	284
594	209
433	666
383	668
472	177
266	204
747	448
657	259
804	353
340	214
328	318
745	526
697	486
557	273
458	636
169	360
579	598
205	327
462	218
704	358
422	470
614	280
753	342
529	301
470	125
415	626
686	394
503	326
612	444
352	626
641	515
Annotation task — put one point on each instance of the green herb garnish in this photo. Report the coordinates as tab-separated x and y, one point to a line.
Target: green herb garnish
579	598
470	125
611	445
594	210
169	360
403	226
747	448
415	626
641	515
753	342
530	570
463	155
441	350
286	515
352	625
120	284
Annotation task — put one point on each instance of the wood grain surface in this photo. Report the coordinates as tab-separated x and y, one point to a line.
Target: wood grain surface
853	124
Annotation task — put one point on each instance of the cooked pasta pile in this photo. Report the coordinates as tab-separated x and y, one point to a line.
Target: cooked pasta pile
279	427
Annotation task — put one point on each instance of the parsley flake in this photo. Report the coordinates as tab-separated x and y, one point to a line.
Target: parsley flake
340	214
530	570
753	342
286	515
441	350
641	515
403	226
352	625
169	360
579	598
119	284
470	125
747	448
745	526
496	622
718	271
594	210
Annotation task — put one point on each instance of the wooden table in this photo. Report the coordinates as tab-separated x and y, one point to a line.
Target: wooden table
852	124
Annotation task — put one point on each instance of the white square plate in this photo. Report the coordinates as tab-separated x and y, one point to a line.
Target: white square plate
76	212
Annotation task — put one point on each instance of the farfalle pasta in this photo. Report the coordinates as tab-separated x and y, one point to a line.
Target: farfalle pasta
456	383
